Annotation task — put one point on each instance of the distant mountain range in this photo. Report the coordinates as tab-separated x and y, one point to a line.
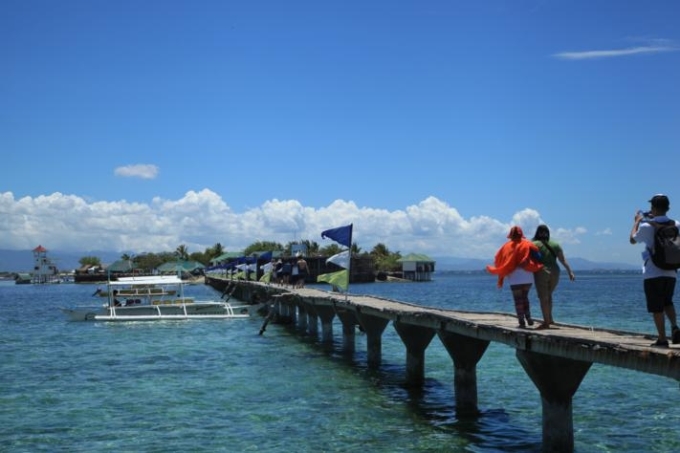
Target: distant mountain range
22	261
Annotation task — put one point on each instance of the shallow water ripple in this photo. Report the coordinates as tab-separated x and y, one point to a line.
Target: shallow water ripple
218	386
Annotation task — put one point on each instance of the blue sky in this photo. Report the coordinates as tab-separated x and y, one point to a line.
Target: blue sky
432	126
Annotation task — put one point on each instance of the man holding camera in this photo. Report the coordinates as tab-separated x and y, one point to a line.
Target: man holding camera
659	284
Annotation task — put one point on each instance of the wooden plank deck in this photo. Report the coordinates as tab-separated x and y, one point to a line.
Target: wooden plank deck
588	343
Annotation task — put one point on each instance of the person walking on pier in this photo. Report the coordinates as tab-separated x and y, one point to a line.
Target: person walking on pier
303	271
546	279
516	261
286	270
659	284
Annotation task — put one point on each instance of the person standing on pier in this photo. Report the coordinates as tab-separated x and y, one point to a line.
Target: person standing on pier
659	284
278	266
546	279
516	261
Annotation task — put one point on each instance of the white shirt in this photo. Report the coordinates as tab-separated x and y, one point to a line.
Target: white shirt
645	235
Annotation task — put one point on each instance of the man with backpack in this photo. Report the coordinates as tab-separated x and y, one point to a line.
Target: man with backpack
659	234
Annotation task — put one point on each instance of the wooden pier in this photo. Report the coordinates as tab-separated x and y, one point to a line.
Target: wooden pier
556	359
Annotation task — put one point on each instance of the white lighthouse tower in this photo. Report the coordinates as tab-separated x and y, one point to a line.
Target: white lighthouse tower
44	271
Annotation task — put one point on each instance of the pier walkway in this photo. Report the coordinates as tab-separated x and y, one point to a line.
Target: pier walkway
556	359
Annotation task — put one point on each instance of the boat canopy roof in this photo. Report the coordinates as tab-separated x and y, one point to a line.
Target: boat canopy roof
147	280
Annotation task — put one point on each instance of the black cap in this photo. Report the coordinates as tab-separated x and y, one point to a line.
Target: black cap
660	202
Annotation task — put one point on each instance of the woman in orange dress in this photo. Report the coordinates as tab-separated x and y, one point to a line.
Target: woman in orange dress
516	261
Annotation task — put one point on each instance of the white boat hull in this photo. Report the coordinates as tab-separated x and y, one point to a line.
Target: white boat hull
163	312
154	298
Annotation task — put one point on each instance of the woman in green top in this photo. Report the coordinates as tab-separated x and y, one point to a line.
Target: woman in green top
547	278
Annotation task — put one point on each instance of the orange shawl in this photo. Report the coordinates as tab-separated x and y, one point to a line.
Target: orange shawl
514	254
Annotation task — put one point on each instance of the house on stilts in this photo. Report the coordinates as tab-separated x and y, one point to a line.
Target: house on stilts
417	267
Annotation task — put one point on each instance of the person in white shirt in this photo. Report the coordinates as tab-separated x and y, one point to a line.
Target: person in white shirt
659	284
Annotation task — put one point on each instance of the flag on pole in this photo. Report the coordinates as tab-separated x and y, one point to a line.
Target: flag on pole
341	235
341	259
267	256
338	279
267	270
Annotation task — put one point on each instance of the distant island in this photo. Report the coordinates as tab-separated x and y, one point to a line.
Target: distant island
15	261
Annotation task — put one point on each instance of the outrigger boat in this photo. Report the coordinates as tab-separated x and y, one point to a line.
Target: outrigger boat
153	298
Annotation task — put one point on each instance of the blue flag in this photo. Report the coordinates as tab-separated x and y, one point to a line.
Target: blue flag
341	235
265	256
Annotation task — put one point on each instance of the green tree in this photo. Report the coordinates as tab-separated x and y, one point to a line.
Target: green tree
356	250
182	252
214	251
147	262
90	261
165	257
389	263
384	260
201	257
330	250
380	250
262	246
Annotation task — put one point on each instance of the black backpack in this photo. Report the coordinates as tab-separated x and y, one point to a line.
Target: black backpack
666	252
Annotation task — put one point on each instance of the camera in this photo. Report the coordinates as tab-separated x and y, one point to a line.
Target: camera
646	214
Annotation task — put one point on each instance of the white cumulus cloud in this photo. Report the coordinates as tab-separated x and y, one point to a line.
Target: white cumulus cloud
200	219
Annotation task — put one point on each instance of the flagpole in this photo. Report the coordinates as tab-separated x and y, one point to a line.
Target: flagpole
349	271
349	261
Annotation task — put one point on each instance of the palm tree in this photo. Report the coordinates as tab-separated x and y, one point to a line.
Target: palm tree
216	250
182	252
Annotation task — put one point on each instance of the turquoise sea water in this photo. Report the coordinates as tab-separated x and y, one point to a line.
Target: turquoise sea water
218	386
